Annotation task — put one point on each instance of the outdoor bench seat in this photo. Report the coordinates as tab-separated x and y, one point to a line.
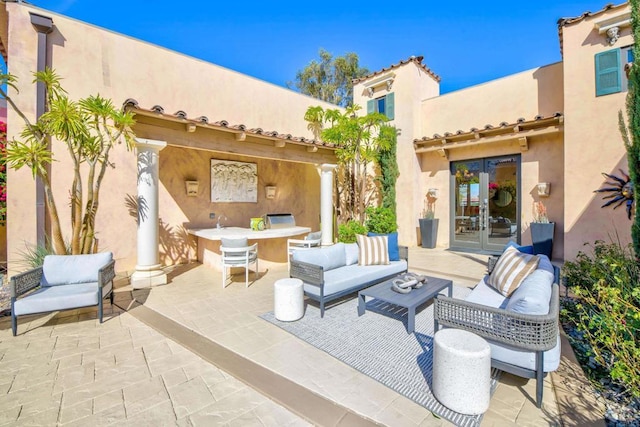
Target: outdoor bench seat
63	282
521	330
331	272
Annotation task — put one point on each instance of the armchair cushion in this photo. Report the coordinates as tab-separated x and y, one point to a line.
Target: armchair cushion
70	269
533	295
511	269
58	297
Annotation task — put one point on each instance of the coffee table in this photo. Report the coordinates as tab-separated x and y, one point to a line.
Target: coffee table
410	301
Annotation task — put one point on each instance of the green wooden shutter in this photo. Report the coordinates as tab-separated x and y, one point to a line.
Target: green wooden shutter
608	72
391	109
371	107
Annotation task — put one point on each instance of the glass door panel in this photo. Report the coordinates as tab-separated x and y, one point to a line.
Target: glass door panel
485	209
466	218
503	197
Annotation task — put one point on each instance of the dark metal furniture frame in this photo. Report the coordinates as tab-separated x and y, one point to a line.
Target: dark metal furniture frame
528	332
410	301
312	274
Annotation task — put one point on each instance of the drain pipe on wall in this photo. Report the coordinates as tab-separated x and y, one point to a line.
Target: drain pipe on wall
43	26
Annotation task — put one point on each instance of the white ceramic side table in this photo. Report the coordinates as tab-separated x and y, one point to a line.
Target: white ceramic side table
288	299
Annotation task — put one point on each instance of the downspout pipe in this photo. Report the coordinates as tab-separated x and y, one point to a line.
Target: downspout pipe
43	26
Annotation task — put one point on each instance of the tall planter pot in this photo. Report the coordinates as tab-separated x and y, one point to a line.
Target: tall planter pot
428	232
542	237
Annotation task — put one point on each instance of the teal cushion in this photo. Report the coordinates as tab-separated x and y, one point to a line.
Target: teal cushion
523	249
392	239
328	257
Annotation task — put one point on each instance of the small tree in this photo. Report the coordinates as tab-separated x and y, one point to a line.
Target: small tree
330	79
388	162
359	140
89	128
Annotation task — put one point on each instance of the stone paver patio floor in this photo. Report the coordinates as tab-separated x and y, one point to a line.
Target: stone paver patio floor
67	369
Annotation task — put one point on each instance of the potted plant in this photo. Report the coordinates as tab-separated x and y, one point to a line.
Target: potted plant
541	230
428	222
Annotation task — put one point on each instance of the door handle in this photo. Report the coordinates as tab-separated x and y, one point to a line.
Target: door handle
484	219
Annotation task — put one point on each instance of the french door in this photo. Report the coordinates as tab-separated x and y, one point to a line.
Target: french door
485	203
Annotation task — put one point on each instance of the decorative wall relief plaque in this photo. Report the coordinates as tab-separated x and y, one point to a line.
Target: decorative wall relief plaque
233	181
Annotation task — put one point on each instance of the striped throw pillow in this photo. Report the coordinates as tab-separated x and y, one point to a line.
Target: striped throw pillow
373	250
511	269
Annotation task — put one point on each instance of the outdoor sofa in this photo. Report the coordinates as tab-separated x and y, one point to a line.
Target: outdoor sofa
522	330
63	282
331	272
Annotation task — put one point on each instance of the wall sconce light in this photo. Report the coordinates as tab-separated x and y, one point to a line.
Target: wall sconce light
544	188
433	193
192	188
271	191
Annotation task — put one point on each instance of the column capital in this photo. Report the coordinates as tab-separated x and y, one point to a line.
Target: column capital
150	144
327	167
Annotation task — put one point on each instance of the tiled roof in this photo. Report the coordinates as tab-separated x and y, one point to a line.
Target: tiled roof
504	129
223	125
416	59
562	22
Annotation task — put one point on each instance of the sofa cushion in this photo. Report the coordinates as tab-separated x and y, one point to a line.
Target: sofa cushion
328	257
511	269
533	295
351	250
66	269
373	250
394	249
486	295
58	297
355	277
525	359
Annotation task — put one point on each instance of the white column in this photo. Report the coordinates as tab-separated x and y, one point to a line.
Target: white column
326	203
148	269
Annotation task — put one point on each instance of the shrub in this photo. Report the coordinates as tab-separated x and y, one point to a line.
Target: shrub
381	220
606	313
347	232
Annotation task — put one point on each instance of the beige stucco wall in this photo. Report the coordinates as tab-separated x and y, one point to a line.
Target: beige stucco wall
592	139
92	60
526	94
411	84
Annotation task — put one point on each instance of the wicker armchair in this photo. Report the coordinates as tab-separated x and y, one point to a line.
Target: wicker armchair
534	333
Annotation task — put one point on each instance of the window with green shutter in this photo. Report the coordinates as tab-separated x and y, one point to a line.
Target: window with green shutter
384	105
608	72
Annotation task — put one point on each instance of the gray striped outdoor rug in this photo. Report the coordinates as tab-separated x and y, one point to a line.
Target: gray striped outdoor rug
378	345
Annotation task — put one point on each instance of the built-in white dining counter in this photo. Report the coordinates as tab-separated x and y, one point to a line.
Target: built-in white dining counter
272	243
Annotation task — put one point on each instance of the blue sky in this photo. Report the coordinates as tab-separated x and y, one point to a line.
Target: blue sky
464	42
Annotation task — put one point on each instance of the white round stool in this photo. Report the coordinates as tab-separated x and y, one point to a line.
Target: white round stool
288	299
461	371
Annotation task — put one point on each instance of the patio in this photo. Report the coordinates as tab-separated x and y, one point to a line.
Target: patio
142	365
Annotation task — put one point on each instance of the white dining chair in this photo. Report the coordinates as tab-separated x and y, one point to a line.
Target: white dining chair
238	253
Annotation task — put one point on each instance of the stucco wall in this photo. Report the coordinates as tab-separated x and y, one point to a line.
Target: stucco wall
92	60
527	94
592	139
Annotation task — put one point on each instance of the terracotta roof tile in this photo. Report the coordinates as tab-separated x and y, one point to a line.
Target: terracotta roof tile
562	22
488	128
416	59
203	121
